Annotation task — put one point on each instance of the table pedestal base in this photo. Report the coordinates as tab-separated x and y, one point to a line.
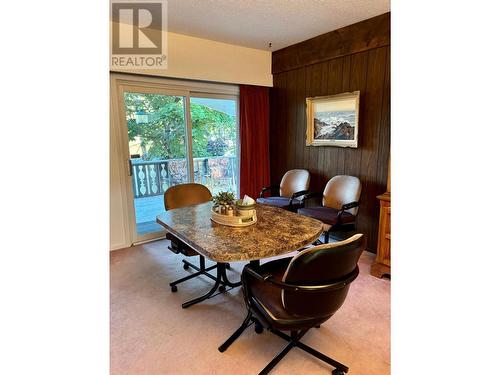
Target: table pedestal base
202	270
221	282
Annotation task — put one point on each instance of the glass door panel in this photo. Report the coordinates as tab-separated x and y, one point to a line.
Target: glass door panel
215	147
156	126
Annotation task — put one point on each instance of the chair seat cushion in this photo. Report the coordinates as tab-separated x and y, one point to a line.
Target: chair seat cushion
326	215
281	202
267	298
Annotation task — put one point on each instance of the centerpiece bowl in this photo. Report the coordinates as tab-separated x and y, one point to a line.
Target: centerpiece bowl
244	207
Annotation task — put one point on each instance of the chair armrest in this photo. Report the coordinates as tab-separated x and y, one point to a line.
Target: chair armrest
304	288
261	195
299	194
347	206
295	196
253	273
312	195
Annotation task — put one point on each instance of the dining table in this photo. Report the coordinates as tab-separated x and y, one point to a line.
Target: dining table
276	232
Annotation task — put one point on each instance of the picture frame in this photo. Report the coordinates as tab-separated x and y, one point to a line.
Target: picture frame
333	120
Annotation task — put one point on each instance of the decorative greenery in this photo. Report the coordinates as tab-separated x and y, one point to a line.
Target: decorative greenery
163	136
216	147
224	198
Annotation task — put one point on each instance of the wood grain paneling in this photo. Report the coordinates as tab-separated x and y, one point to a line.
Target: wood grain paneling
361	36
367	69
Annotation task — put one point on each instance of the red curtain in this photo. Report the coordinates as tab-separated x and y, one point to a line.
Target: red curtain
254	139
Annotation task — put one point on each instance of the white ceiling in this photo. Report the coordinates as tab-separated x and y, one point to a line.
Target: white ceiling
255	23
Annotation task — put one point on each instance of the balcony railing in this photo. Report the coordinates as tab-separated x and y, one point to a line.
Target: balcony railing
152	178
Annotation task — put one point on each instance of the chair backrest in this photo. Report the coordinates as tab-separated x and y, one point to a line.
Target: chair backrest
321	265
342	190
186	195
294	181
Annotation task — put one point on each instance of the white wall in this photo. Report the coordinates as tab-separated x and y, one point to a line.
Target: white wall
201	59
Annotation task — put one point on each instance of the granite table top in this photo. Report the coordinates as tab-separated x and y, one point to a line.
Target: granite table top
276	232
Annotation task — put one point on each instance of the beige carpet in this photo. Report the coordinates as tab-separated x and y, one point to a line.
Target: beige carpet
152	334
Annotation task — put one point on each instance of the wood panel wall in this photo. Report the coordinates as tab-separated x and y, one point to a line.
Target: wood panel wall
356	57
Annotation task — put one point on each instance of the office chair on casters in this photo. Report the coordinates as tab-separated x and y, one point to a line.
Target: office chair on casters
180	196
339	209
298	293
294	184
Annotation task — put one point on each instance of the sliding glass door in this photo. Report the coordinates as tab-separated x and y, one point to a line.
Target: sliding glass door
174	137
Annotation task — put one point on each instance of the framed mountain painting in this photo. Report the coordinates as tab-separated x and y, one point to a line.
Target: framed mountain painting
333	120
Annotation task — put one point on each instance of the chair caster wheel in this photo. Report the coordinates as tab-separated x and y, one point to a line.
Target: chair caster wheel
228	266
222	288
173	288
338	372
185	266
259	329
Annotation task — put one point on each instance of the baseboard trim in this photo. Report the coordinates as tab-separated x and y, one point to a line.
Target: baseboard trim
118	246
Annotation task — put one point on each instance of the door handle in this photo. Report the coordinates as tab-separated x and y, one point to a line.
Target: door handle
133	156
129	167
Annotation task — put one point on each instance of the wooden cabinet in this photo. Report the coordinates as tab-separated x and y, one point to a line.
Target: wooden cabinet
382	264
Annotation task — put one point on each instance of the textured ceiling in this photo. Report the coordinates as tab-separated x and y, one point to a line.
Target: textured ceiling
255	23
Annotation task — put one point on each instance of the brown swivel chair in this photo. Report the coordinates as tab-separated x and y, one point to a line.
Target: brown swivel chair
297	293
294	184
339	209
183	195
